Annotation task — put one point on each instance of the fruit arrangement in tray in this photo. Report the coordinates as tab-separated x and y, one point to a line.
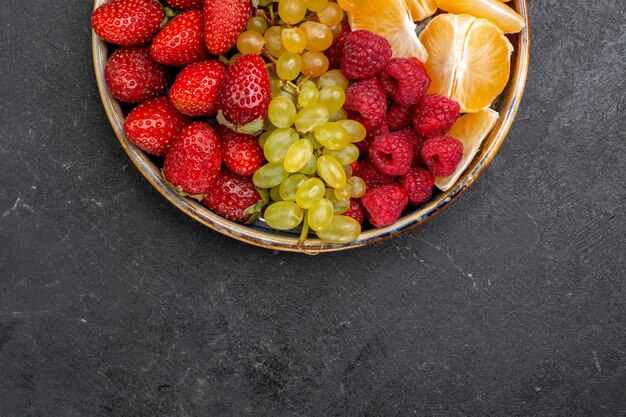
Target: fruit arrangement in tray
316	116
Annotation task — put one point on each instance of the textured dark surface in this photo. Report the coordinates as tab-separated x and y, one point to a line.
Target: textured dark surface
509	303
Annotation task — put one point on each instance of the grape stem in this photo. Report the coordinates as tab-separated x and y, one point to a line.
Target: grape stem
305	231
302	81
271	21
286	87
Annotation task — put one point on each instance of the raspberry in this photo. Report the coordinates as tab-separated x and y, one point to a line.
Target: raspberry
409	77
392	153
384	205
390	85
364	145
372	176
442	154
399	117
435	115
335	51
417	142
418	184
355	210
367	99
365	55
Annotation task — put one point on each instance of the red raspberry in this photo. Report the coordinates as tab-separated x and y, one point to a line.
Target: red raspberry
417	142
154	125
355	210
372	176
194	160
132	76
435	115
234	197
390	85
365	55
365	144
442	154
410	79
392	153
418	184
367	99
242	153
335	51
356	168
399	117
384	205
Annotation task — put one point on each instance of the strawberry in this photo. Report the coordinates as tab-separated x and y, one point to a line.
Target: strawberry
235	198
242	153
186	4
133	77
384	205
196	87
226	20
128	22
154	124
193	161
245	95
181	42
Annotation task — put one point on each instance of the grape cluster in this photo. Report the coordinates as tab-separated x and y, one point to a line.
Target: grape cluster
309	143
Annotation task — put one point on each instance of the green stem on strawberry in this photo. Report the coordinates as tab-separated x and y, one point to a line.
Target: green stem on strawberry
169	15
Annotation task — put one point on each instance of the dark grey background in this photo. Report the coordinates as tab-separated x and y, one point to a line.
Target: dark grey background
509	303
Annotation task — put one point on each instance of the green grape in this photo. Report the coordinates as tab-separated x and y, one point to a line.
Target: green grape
263	138
320	215
265	3
311	136
257	24
308	94
282	112
342	229
293	39
356	131
315	5
332	135
278	143
314	64
310	117
310	192
339	207
233	58
333	77
283	215
250	42
336	30
274	44
288	188
275	193
318	36
344	193
311	167
345	156
350	5
359	188
341	114
330	15
348	170
332	97
331	171
291	11
269	175
288	66
298	155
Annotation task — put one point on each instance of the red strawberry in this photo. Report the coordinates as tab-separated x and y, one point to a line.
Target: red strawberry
384	205
181	42
133	77
235	198
226	19
242	153
196	87
186	4
193	161
245	95
154	124
128	22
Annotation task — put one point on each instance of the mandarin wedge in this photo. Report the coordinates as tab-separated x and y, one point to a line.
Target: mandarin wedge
501	15
421	9
392	20
471	129
469	59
